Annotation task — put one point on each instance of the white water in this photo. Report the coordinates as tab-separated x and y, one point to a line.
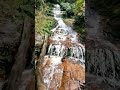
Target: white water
60	33
58	50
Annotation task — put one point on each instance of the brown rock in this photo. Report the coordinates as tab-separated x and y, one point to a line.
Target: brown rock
67	75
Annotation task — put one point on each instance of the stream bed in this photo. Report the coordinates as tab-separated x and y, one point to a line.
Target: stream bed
65	57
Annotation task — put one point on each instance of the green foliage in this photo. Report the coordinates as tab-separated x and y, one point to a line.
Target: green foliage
79	24
68	8
49	9
70	1
79	20
60	1
38	4
73	8
79	12
55	1
80	6
44	21
43	24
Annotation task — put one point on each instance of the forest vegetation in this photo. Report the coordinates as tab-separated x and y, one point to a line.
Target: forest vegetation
74	12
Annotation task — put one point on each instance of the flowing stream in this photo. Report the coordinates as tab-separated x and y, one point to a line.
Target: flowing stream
57	50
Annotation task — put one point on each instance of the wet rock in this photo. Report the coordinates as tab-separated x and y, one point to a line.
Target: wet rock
39	40
64	76
61	69
73	76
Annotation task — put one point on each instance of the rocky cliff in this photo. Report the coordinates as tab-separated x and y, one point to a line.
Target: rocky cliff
102	45
16	44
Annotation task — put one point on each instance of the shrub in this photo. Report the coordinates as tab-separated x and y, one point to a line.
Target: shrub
44	24
68	8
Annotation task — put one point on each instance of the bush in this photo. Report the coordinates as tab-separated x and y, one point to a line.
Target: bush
80	6
38	4
43	24
68	8
55	1
79	20
49	9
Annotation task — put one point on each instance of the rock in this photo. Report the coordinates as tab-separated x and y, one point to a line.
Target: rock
27	80
62	67
10	35
64	76
102	52
38	40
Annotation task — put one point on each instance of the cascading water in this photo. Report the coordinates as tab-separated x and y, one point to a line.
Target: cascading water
58	50
63	31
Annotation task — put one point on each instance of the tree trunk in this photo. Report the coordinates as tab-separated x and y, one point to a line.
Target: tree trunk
39	77
20	58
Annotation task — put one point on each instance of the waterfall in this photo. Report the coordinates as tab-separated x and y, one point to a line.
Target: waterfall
60	33
58	50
